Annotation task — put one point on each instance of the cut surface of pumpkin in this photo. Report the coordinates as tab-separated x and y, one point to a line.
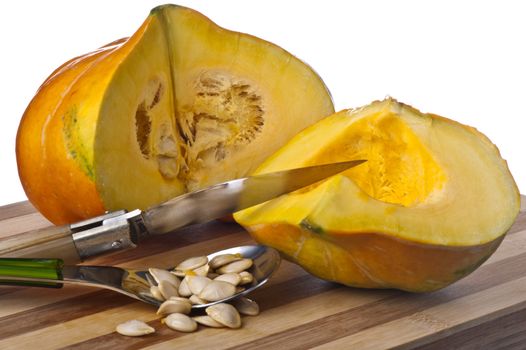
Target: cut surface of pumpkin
432	202
180	105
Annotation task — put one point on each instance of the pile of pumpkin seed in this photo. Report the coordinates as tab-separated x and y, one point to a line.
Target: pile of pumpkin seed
201	282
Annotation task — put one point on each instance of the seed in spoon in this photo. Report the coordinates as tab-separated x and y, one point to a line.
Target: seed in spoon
156	293
134	328
225	314
164	275
223	259
174	306
197	283
184	290
232	278
180	299
208	321
202	271
167	289
192	263
180	322
246	306
236	266
178	273
195	300
217	290
246	277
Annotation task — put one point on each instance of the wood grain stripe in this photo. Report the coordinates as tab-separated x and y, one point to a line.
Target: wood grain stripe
346	323
330	316
21	224
16	209
77	329
506	332
62	311
441	320
299	310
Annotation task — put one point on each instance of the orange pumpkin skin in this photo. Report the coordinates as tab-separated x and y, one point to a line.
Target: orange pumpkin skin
55	182
357	260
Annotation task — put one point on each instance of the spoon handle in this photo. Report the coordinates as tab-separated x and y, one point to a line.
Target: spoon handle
28	272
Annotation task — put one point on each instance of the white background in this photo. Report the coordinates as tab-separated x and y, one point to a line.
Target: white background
465	60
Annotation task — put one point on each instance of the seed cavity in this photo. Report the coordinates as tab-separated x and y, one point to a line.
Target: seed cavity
143	122
226	113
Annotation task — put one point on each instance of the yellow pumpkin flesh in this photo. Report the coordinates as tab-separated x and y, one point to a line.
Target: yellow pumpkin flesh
430	205
180	105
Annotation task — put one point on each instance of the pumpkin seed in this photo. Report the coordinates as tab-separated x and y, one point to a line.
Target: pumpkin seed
164	275
232	278
202	271
180	322
197	283
236	266
174	306
212	275
217	290
225	314
167	289
223	259
246	277
134	328
207	321
246	306
184	290
194	299
178	273
192	263
180	299
156	293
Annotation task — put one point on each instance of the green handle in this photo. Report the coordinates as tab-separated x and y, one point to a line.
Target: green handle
32	269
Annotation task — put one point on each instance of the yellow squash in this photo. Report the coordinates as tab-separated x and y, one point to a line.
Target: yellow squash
430	205
181	104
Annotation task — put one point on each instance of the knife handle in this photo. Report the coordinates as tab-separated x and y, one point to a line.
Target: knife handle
49	242
28	272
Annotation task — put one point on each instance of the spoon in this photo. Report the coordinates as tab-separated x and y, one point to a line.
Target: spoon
133	283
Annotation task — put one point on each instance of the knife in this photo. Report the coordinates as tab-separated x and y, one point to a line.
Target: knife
122	229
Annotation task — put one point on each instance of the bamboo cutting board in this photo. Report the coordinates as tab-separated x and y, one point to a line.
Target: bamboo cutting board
485	310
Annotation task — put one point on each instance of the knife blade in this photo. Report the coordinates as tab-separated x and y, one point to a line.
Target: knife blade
231	196
121	229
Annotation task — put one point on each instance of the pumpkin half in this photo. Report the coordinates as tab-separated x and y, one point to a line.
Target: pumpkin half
181	104
430	205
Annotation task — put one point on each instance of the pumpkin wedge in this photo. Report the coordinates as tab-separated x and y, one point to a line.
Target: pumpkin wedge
181	104
430	205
